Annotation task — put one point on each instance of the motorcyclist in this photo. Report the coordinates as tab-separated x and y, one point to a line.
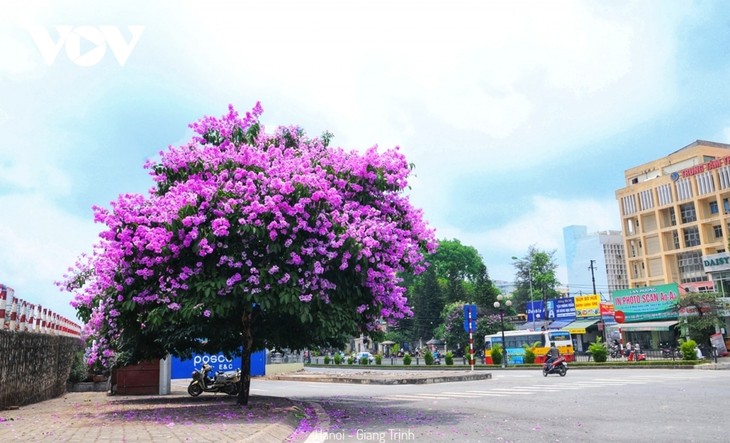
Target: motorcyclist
552	354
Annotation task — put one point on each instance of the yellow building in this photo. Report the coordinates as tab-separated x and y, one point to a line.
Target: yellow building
674	211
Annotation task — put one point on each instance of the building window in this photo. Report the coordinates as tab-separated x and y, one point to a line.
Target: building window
714	208
691	237
687	212
690	267
718	231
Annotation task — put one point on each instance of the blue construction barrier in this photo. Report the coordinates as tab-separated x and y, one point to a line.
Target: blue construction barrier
219	362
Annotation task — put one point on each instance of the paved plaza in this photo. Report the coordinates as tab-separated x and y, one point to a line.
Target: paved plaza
99	417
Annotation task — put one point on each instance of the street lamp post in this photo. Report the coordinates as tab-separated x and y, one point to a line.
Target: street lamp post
529	274
498	306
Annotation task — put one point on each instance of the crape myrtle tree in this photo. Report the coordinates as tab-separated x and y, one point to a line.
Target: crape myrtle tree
250	240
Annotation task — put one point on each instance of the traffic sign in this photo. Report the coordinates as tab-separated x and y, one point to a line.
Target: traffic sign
619	316
470	313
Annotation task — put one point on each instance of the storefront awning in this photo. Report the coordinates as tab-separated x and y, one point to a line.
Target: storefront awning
559	324
580	326
648	325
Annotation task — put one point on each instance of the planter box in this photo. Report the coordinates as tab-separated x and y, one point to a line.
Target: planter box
140	379
88	386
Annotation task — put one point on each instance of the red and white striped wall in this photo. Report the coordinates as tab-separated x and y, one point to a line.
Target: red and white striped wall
22	316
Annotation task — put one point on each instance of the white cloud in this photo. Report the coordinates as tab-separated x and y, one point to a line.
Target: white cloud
541	225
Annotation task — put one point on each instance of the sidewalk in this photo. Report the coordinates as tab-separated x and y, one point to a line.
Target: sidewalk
88	417
98	417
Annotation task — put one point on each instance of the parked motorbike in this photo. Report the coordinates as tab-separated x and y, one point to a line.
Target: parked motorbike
633	355
616	352
669	351
557	366
226	382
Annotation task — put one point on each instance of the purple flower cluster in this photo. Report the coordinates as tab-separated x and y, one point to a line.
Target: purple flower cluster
271	211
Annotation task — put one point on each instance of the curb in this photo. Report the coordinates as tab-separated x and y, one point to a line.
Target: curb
280	430
383	380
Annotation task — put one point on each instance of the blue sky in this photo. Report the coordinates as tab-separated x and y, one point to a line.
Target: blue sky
520	117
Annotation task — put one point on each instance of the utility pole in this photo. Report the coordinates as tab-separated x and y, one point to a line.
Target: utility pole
593	279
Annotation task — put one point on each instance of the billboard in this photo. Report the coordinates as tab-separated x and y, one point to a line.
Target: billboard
219	362
587	305
557	309
647	303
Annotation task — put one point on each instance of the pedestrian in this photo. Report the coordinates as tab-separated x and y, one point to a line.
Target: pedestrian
628	348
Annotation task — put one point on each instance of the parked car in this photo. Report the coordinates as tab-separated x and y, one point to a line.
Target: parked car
361	355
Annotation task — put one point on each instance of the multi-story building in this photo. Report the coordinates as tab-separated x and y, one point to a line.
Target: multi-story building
675	210
602	251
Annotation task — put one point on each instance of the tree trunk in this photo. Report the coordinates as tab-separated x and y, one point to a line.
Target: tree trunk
243	394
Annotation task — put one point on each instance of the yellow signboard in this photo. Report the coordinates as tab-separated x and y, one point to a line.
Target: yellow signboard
588	305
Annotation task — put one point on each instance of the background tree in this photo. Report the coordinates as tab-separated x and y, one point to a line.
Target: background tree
456	273
452	326
702	314
538	266
428	302
251	240
460	266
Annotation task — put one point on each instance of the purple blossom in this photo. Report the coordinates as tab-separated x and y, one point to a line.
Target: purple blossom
307	211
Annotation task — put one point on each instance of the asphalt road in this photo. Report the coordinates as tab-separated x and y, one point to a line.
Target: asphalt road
615	405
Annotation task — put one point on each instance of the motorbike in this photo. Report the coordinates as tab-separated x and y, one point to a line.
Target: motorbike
557	366
616	352
669	351
226	382
638	356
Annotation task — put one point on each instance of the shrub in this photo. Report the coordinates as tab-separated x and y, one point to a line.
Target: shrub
338	359
326	359
496	354
407	359
689	350
351	360
428	358
449	358
598	351
530	352
364	361
378	359
79	369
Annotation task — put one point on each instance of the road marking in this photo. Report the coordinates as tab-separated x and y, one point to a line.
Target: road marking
489	394
416	397
557	388
460	394
536	389
512	391
612	383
